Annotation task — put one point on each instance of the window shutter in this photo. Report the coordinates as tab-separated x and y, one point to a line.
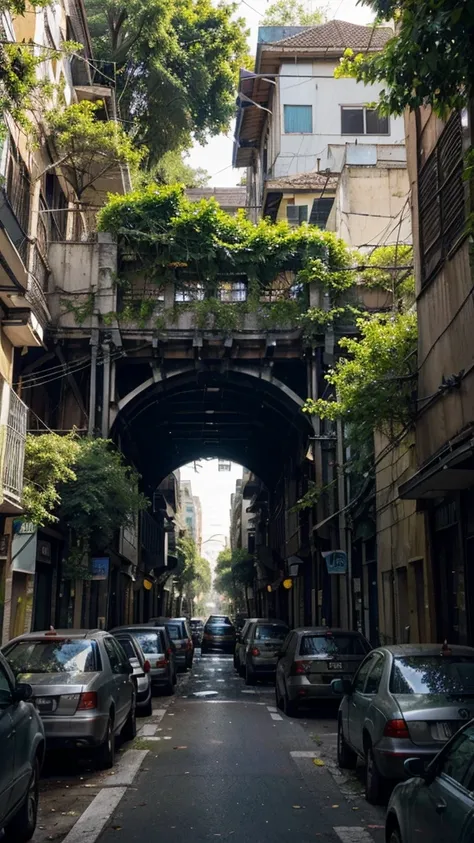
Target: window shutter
303	213
293	214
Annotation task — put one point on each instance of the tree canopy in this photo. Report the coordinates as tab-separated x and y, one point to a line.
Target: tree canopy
286	13
235	573
428	61
176	67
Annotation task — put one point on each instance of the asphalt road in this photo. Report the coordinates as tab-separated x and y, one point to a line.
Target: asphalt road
223	764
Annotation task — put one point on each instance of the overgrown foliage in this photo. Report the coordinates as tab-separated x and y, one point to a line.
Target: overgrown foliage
103	498
176	65
172	168
373	385
286	13
428	61
88	148
83	482
49	464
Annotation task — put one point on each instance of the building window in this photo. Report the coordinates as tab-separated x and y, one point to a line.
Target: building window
296	214
232	291
224	465
189	291
441	198
298	119
282	288
359	120
320	212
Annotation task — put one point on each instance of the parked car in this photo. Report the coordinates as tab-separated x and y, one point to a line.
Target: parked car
310	658
240	645
141	671
158	650
82	687
264	641
23	741
438	803
218	636
197	629
180	634
404	701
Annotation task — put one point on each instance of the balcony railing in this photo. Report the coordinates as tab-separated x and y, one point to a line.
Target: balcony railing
14	416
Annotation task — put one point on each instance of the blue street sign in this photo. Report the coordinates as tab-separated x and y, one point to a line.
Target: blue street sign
100	568
336	561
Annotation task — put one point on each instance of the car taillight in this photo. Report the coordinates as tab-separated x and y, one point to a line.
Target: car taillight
190	644
255	651
161	663
146	666
169	651
396	729
299	669
87	701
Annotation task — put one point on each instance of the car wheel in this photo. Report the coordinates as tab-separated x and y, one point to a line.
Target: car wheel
147	710
374	781
106	751
290	707
129	730
346	757
395	836
250	678
22	827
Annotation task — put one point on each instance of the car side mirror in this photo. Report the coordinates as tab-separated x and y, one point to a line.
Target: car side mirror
341	686
415	769
22	692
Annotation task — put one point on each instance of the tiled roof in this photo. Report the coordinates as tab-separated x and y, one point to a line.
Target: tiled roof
303	181
339	35
230	197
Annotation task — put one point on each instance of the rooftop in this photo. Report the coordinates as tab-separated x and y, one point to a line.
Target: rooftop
339	35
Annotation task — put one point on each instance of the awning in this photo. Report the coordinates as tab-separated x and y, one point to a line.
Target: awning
452	471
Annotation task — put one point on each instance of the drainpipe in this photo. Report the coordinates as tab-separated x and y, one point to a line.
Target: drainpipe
93	385
343	530
106	391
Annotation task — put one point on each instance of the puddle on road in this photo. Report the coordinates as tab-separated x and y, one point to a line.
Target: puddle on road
205	693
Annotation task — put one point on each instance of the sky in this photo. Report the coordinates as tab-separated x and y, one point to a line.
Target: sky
214	489
216	156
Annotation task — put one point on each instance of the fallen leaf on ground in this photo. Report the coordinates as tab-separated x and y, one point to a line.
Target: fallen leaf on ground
296	806
180	747
318	762
334	806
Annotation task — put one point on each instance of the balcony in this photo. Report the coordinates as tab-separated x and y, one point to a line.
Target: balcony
13	427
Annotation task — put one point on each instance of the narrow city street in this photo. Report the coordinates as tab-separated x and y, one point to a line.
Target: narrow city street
217	761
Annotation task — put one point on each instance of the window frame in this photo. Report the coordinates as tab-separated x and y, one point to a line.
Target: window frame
297	105
379	659
366	661
445	776
365	133
5	704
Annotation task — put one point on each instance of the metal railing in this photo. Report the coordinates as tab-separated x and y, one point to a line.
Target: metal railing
14	457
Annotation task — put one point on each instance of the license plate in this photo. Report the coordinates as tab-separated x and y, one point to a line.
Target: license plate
45	704
334	665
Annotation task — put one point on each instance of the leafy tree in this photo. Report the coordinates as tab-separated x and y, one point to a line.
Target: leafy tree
173	169
235	574
286	13
87	148
103	497
176	67
193	574
374	383
428	61
49	464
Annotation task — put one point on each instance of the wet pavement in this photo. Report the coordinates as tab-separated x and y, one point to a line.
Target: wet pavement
224	764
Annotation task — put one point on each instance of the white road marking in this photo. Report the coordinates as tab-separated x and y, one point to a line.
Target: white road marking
204	693
127	768
159	713
89	826
248	692
351	834
275	716
147	730
302	753
272	708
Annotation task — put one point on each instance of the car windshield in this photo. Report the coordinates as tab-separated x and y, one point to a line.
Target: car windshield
341	645
150	642
433	675
270	632
65	655
174	631
220	629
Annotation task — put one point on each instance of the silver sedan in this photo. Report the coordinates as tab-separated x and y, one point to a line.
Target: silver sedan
82	687
404	702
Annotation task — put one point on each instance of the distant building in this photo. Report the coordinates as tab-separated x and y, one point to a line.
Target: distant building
231	199
190	512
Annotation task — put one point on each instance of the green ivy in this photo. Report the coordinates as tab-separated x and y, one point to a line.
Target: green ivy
81	311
